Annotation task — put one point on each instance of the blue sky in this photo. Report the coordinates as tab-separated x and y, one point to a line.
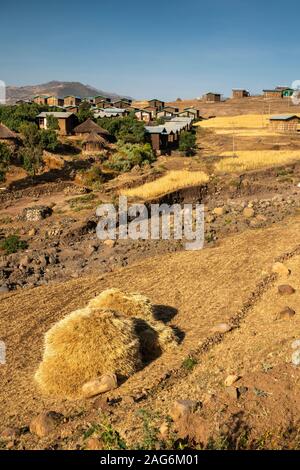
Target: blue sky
166	49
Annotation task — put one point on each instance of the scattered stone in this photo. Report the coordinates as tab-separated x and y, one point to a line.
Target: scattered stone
280	269
10	434
221	328
32	232
230	380
248	212
182	408
210	219
287	312
43	424
34	214
232	392
242	390
109	243
25	261
296	344
106	383
219	211
296	358
101	404
286	289
93	444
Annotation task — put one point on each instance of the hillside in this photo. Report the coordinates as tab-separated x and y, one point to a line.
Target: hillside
55	88
221	284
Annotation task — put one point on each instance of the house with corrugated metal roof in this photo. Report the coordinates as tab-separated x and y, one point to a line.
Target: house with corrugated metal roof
66	121
284	123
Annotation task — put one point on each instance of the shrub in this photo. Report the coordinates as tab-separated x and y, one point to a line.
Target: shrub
126	129
130	155
187	143
5	159
12	244
93	177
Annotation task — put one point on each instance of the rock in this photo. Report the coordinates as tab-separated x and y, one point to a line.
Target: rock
242	390
25	261
93	444
32	232
90	250
210	219
232	392
296	344
286	289
104	384
10	434
231	379
296	358
280	269
36	213
221	328
101	404
219	211
287	312
42	425
3	289
248	212
182	408
109	243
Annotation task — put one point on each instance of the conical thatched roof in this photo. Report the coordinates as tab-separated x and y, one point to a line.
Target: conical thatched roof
90	126
94	138
6	133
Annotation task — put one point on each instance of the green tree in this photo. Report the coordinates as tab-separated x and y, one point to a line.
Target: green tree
31	136
130	155
5	159
48	140
187	143
32	158
127	129
85	112
52	123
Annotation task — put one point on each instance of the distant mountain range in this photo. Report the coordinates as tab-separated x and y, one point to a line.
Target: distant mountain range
56	88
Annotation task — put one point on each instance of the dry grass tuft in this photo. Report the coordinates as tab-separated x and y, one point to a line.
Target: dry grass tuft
115	333
172	181
83	346
244	160
154	334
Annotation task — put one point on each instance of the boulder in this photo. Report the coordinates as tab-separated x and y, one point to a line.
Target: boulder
230	380
104	384
286	289
36	213
182	408
286	313
248	212
42	424
280	269
221	328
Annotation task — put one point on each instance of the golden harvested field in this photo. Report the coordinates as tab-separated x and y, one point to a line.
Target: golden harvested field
246	121
172	181
254	159
257	132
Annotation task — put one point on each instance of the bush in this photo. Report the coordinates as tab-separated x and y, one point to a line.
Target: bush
93	177
126	129
48	140
130	155
5	159
12	244
187	143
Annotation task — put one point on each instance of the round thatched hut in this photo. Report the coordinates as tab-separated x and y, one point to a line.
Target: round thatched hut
93	142
89	126
7	136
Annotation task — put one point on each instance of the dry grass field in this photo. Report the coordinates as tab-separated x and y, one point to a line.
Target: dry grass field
242	121
172	181
249	160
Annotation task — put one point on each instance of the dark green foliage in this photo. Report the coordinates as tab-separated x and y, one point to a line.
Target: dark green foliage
126	129
15	116
52	123
130	155
12	244
48	140
84	112
187	143
5	159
